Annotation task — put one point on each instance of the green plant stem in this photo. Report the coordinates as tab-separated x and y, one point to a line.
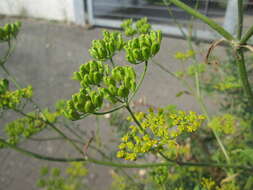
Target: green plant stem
11	48
54	128
184	82
140	82
134	118
199	99
240	19
112	62
115	164
219	29
247	36
10	76
110	111
244	76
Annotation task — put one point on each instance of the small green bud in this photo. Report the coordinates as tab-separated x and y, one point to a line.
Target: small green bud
159	36
93	66
123	92
155	48
133	85
145	53
127	82
89	108
111	47
86	80
97	77
113	90
137	54
77	76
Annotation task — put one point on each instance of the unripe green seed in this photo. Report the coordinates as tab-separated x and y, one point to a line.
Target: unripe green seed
127	82
133	85
155	48
111	47
123	92
145	53
89	108
93	66
137	54
159	36
97	77
113	90
77	76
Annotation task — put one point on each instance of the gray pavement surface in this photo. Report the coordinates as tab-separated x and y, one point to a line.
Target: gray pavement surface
47	53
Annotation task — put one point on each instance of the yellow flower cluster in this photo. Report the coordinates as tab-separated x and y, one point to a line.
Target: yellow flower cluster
10	99
158	130
25	127
183	56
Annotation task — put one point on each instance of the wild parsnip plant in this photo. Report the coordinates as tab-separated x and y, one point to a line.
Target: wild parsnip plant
173	149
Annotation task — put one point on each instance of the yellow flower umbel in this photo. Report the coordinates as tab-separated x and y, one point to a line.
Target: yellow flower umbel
159	131
11	99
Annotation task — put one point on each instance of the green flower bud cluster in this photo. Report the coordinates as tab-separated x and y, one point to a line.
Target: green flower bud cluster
9	31
141	27
10	99
160	174
144	47
128	28
25	127
160	130
70	179
120	83
99	82
106	48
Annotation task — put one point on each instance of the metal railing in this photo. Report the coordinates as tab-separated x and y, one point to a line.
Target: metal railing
110	13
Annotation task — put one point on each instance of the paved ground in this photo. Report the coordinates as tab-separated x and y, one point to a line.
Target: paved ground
46	55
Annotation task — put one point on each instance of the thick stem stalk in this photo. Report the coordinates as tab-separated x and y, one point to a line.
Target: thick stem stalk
219	29
115	164
244	76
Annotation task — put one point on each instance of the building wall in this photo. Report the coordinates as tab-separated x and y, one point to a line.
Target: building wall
62	10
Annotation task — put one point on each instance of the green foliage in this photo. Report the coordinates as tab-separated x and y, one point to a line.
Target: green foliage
225	123
160	174
70	179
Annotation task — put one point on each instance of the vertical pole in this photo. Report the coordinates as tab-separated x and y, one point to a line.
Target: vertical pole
90	12
78	12
231	17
